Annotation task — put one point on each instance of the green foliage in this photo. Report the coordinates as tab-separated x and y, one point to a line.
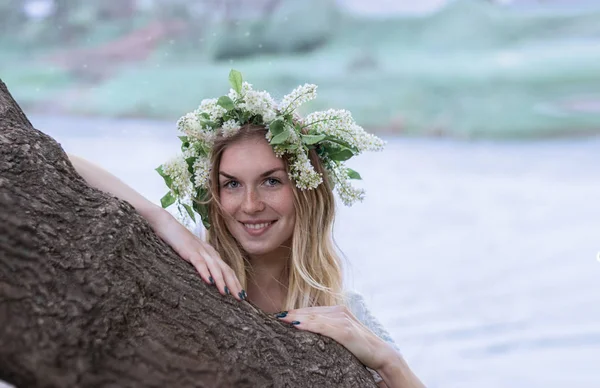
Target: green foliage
353	174
235	79
276	33
167	200
470	70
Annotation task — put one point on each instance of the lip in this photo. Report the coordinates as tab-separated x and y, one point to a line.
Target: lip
257	232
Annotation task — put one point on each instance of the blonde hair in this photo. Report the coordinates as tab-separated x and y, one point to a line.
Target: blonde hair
314	269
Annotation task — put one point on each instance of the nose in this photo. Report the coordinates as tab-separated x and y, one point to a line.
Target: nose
252	202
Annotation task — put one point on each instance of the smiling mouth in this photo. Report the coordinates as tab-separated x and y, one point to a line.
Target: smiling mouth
257	229
258	226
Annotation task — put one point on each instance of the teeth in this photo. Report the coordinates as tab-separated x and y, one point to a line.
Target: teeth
257	226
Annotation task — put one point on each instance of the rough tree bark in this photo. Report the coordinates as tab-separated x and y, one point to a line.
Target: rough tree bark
90	296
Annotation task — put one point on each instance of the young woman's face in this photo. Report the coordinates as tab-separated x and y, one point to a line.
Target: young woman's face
257	197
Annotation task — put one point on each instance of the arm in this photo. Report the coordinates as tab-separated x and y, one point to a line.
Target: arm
105	181
397	373
354	327
200	254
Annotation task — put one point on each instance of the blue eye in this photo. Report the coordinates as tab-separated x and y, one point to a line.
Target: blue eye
272	182
231	184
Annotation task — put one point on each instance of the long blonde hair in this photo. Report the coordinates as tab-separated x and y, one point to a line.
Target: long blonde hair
314	269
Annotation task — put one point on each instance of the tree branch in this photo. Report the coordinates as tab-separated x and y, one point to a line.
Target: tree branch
90	296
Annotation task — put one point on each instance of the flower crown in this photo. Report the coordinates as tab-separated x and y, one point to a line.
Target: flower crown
332	133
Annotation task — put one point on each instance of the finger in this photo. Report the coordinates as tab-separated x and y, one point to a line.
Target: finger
221	274
224	277
217	274
299	316
229	277
323	325
210	257
202	269
232	282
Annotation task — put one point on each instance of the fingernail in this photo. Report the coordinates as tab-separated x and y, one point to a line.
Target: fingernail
282	314
295	322
227	291
241	295
245	295
212	281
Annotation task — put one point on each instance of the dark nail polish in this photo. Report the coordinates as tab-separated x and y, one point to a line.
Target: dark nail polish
241	295
282	314
295	322
245	295
227	291
212	281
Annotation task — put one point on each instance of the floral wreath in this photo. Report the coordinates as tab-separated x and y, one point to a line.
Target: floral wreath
333	133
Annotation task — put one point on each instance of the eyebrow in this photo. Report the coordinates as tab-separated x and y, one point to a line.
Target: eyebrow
264	174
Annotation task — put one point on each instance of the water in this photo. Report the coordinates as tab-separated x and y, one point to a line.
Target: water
480	258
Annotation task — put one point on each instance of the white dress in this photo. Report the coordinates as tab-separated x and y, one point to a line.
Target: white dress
356	304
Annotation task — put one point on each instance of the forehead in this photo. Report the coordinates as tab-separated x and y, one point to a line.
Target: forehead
249	156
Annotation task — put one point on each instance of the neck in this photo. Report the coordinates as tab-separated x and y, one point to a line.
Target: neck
267	281
270	268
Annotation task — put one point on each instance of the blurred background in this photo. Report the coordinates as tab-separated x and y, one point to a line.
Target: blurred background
471	68
478	244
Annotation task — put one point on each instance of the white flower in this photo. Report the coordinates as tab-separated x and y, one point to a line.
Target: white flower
303	173
177	170
191	126
297	97
230	128
245	88
268	136
348	194
269	115
201	172
210	107
260	103
189	123
340	124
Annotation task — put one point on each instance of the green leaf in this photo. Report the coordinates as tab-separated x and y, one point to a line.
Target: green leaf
235	79
185	143
276	127
353	174
341	154
190	212
342	143
226	103
209	123
245	117
280	138
167	200
190	163
168	180
205	115
160	171
312	139
289	147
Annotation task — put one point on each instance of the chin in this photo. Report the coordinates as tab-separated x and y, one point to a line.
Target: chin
258	249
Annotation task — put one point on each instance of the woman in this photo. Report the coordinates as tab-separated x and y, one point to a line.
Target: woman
262	181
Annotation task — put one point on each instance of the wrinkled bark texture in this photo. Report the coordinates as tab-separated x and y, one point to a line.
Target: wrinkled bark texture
91	297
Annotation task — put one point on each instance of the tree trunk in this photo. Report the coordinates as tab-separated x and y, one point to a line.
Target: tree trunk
90	296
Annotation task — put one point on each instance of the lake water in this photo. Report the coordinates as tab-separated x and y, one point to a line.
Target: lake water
481	258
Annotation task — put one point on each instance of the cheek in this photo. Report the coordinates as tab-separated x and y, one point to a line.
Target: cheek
229	203
287	203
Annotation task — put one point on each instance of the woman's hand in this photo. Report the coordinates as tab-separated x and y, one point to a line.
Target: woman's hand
338	323
200	254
